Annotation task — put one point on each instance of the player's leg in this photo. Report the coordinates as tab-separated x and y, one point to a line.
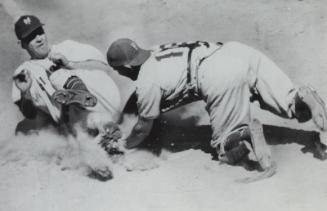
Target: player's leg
276	92
224	86
229	118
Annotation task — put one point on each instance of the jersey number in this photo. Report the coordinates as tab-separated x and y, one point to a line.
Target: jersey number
168	55
189	45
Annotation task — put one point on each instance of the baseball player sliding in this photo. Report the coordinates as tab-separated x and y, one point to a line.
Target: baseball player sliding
65	82
227	77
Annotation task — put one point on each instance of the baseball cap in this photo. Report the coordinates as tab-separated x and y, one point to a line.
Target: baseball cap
126	52
25	25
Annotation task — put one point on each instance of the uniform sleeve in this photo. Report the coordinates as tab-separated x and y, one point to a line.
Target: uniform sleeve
148	100
77	52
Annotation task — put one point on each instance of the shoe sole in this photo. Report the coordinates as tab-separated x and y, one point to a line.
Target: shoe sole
262	154
317	106
259	145
80	97
260	176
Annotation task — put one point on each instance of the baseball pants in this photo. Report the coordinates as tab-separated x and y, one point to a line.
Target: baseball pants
230	77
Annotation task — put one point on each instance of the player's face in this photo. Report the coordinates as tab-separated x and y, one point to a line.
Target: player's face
37	44
129	71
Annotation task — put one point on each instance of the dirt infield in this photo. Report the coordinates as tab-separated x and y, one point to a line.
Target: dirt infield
292	32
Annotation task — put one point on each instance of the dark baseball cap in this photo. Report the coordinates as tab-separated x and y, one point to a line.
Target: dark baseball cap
126	52
25	25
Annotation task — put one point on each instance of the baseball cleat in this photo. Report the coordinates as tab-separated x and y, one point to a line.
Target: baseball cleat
261	152
259	145
310	97
235	147
73	96
238	153
243	144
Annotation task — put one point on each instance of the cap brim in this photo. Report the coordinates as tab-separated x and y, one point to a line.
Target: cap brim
141	57
30	31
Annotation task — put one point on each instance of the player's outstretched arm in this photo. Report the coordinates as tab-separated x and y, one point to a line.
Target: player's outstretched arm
90	65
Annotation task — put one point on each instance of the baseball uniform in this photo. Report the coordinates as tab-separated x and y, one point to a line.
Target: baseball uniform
224	76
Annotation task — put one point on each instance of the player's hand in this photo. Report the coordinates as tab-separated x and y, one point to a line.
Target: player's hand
23	81
112	131
60	60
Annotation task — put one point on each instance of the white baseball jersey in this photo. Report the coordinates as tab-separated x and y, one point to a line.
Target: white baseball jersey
162	81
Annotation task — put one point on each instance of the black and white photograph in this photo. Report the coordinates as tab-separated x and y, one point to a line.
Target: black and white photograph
141	105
